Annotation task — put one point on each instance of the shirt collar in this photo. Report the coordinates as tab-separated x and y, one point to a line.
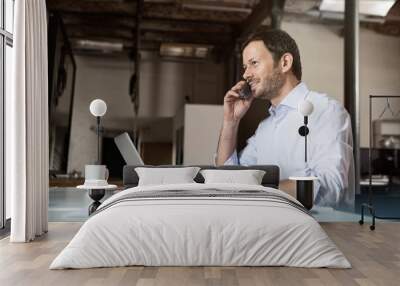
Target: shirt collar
297	94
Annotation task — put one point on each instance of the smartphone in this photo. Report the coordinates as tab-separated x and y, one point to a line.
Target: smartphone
245	91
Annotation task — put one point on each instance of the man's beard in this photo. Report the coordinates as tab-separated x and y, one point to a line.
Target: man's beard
273	85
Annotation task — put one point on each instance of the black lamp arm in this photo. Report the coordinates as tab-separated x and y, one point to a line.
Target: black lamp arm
98	139
303	131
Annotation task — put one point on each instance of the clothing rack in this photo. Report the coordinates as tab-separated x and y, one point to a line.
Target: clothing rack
369	205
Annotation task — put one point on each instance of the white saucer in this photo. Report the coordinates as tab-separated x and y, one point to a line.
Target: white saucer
311	178
95	187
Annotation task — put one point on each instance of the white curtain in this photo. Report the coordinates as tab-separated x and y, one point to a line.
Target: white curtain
27	123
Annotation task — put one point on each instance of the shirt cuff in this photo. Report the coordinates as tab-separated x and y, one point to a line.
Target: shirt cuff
233	159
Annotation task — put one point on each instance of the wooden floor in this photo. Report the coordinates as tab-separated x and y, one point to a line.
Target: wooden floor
375	257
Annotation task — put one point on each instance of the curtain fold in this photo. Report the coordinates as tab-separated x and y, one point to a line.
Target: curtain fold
27	123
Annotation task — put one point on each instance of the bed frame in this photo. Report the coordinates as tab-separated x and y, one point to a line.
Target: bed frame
270	179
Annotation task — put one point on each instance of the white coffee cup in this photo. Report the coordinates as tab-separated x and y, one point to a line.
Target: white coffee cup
96	175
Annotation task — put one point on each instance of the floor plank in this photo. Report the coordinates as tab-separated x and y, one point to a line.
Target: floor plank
374	255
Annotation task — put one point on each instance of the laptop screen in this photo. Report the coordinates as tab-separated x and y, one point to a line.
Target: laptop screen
128	149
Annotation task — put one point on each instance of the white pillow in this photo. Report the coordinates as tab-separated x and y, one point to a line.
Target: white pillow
248	177
162	176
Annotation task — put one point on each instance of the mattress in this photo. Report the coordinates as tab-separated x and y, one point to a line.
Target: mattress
201	225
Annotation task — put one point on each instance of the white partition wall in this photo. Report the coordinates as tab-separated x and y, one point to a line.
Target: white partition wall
201	124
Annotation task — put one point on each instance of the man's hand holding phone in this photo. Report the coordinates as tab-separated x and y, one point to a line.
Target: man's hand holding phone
237	101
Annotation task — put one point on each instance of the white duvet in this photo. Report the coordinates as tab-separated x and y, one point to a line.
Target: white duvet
200	231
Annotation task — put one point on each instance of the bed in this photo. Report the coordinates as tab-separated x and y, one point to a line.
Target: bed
198	224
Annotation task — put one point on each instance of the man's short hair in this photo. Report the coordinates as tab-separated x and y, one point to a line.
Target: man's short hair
278	42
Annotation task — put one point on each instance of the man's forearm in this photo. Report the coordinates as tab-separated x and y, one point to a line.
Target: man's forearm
227	141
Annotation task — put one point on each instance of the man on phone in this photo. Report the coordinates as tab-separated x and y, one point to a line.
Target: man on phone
272	69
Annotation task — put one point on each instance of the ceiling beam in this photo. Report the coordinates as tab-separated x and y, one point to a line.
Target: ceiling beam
93	31
389	28
99	20
254	20
215	5
127	22
198	38
178	12
154	10
128	35
109	7
394	13
184	26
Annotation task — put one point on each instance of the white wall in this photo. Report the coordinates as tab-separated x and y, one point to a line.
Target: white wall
202	124
322	52
379	75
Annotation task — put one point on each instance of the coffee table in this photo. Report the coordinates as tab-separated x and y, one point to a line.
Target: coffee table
96	193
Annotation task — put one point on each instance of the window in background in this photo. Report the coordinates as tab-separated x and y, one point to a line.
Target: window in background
6	66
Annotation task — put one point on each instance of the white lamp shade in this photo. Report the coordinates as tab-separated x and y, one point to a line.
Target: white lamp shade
98	107
305	107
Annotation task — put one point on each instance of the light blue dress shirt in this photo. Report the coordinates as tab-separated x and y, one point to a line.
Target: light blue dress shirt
329	151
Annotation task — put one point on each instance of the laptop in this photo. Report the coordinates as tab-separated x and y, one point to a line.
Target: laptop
128	149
